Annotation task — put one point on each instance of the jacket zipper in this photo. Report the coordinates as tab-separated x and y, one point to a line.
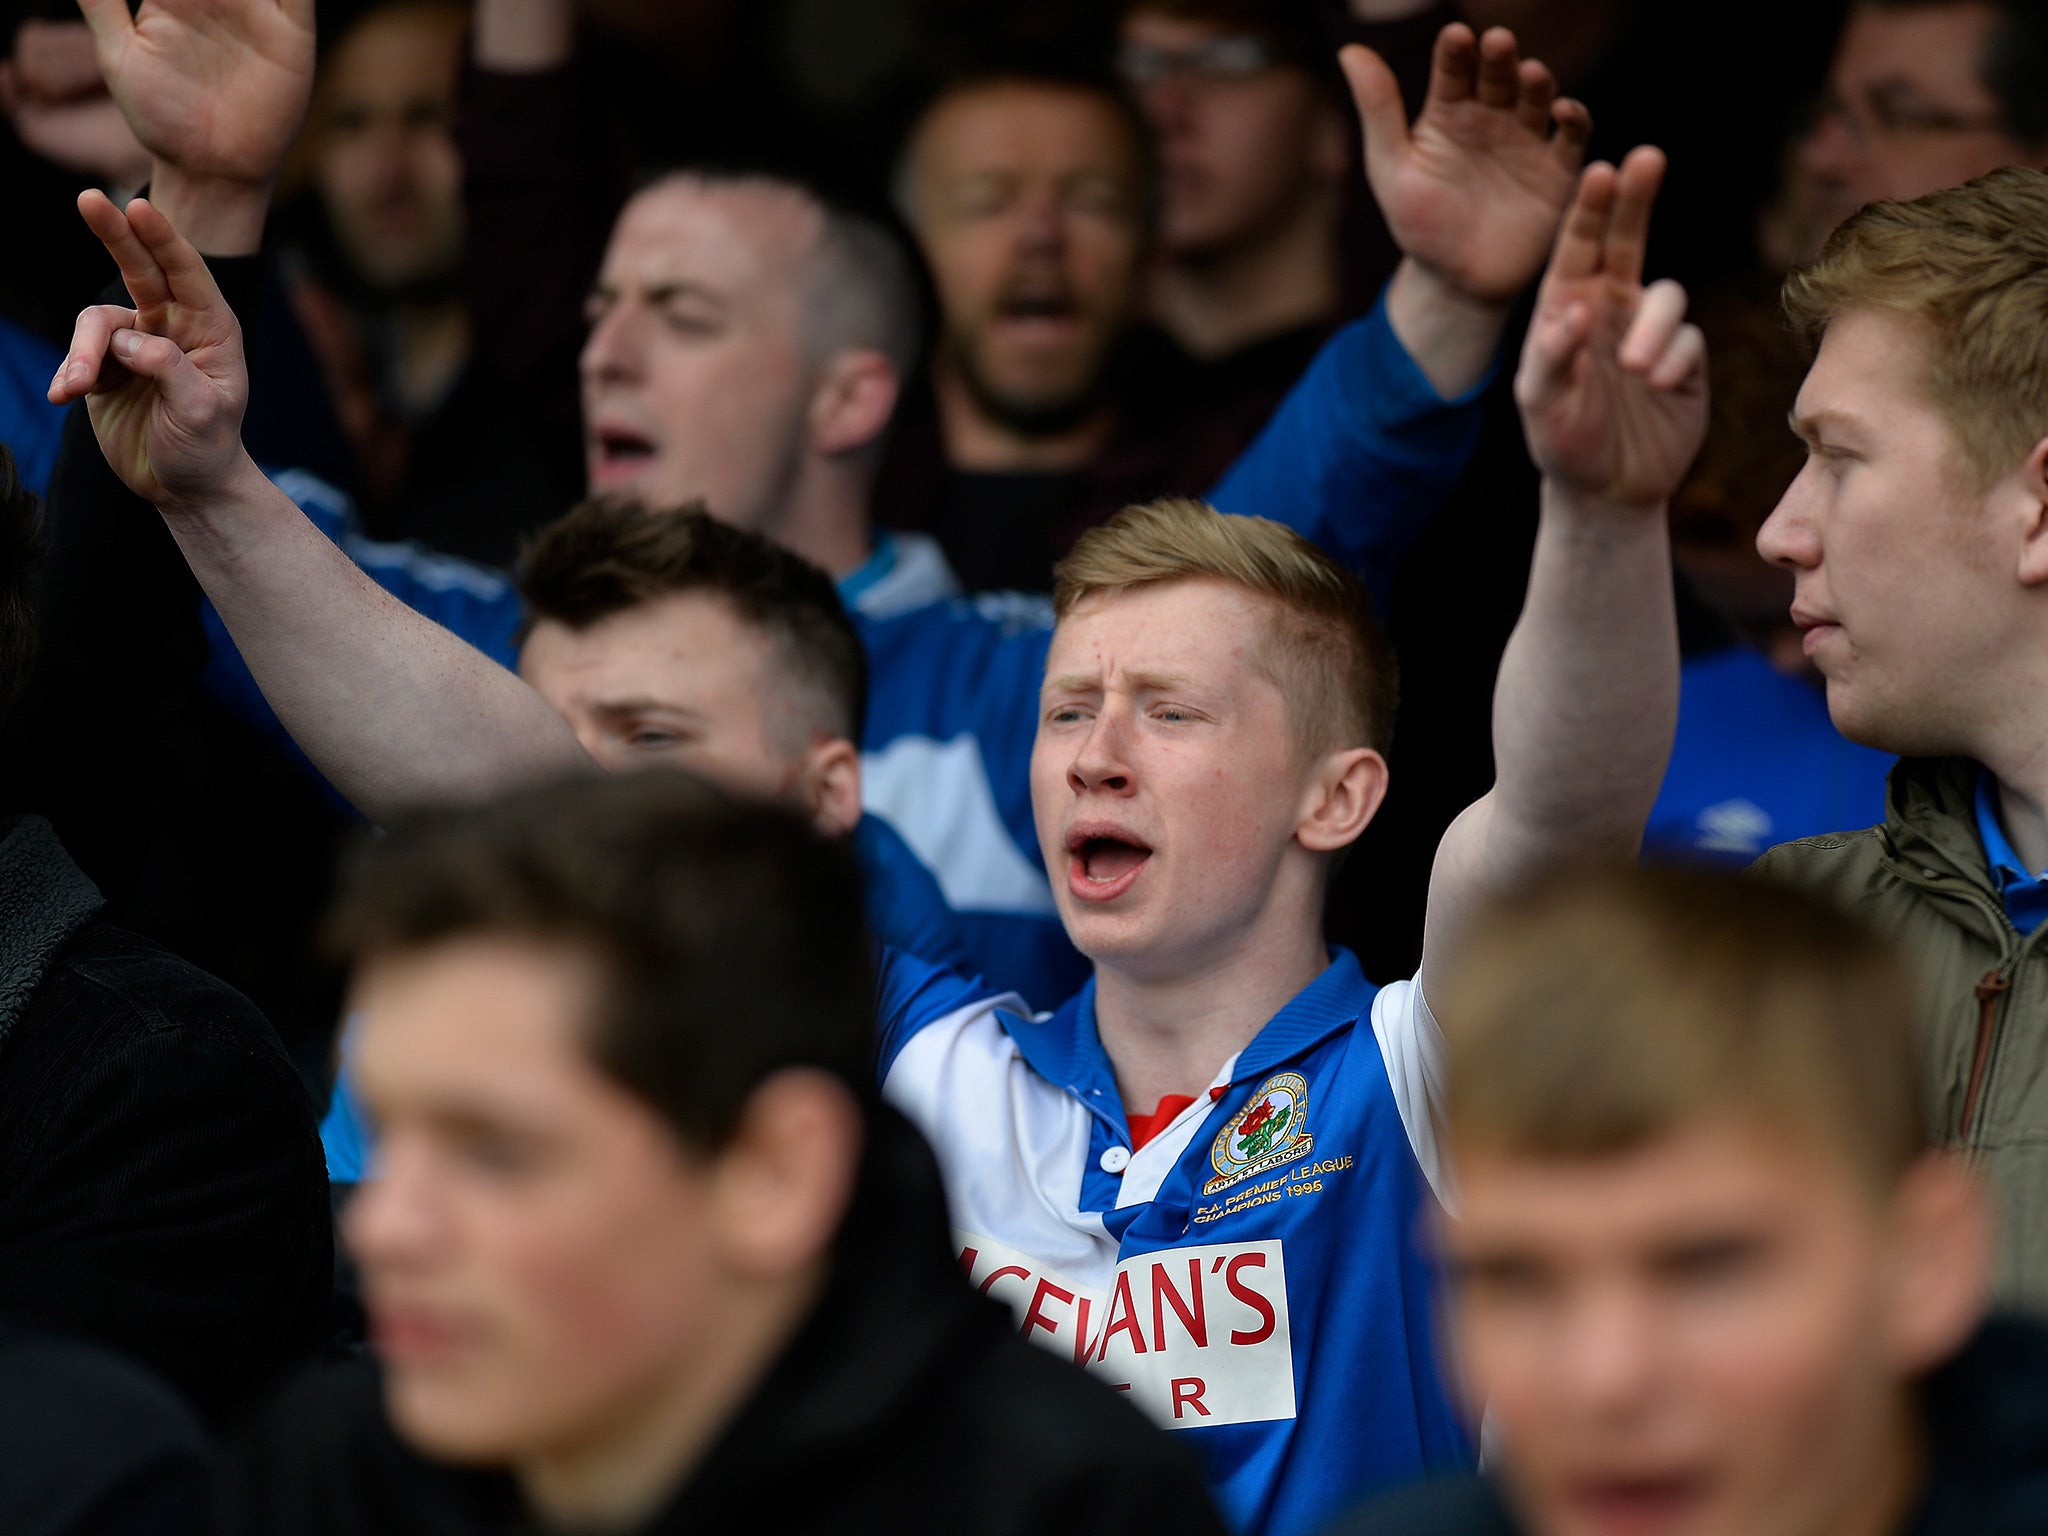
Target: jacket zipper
1993	985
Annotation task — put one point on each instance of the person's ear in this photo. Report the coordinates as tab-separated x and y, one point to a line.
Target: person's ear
2033	491
831	786
1944	1231
853	401
1330	149
781	1186
1343	798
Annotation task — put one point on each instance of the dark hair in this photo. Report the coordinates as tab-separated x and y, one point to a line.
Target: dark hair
728	933
605	557
21	549
2014	64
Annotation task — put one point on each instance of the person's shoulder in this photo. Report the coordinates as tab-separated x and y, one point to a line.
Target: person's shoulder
90	1436
155	988
1463	1506
1088	1451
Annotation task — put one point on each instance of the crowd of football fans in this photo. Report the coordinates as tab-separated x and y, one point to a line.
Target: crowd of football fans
1269	766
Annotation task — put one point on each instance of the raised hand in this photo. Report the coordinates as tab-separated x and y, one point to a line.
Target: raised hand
1474	189
1613	381
215	88
164	382
52	94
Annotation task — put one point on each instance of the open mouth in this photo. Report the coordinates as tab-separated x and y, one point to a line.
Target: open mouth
1103	863
1036	307
618	454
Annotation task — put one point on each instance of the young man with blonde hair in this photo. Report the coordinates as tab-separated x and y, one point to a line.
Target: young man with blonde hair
1105	1153
1711	1274
1918	538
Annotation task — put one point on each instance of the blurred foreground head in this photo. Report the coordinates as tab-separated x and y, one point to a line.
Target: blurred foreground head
1704	1249
612	1037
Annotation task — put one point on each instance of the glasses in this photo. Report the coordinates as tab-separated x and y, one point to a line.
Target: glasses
1885	115
1218	61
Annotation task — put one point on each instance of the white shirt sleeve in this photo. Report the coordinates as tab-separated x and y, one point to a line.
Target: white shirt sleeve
1412	1046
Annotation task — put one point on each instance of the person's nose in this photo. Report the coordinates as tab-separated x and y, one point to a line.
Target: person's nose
1790	536
1101	761
612	349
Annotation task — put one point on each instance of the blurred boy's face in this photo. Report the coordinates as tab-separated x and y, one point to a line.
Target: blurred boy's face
1028	203
539	1255
384	156
1240	147
1702	1336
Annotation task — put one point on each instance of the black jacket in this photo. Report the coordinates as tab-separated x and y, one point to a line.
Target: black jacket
1986	1416
92	1446
906	1404
162	1187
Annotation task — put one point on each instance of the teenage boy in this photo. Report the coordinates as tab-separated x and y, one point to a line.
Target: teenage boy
1711	1273
1917	537
1209	742
645	1254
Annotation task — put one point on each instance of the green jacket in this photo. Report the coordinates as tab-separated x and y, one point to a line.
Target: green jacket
1923	875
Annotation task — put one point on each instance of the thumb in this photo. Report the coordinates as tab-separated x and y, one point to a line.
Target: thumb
1377	95
189	397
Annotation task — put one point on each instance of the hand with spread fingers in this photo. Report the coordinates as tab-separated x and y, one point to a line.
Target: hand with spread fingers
164	381
1473	190
218	87
1613	380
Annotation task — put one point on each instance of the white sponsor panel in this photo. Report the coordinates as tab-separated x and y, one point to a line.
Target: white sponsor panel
1196	1335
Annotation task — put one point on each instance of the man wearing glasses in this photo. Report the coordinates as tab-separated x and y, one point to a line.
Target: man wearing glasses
1927	94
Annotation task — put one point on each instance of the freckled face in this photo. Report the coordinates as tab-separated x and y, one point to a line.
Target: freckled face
1166	778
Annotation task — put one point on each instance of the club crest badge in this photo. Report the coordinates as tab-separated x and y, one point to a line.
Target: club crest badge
1270	1130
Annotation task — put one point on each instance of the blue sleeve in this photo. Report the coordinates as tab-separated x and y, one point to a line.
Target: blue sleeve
913	994
1360	454
906	910
472	601
29	424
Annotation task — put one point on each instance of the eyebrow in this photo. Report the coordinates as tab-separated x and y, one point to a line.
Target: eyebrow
644	705
1089	682
665	293
1808	426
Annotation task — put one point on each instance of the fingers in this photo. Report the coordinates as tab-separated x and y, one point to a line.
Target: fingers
1536	92
1551	353
1574	131
1377	95
1499	69
1453	64
1582	236
109	19
185	391
1655	323
91	337
144	279
1628	232
184	269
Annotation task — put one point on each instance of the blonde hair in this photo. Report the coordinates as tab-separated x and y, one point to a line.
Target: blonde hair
1971	264
1327	652
1604	1009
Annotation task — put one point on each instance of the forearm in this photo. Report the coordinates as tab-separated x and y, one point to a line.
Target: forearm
1587	699
395	710
1452	337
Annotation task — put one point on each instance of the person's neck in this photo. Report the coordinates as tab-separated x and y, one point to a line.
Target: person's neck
618	1473
1171	1034
825	520
981	444
1220	302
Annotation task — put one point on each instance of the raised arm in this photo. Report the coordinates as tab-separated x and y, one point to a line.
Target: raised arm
1373	438
1612	390
392	708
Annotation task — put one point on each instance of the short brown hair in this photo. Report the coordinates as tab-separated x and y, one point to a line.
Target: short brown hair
1971	264
605	557
1329	654
1603	1009
727	932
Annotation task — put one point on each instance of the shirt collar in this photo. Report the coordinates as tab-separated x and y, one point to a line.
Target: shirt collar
2007	869
873	571
1064	1048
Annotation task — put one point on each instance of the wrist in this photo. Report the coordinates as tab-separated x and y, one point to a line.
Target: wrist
215	511
1452	335
220	216
1606	506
